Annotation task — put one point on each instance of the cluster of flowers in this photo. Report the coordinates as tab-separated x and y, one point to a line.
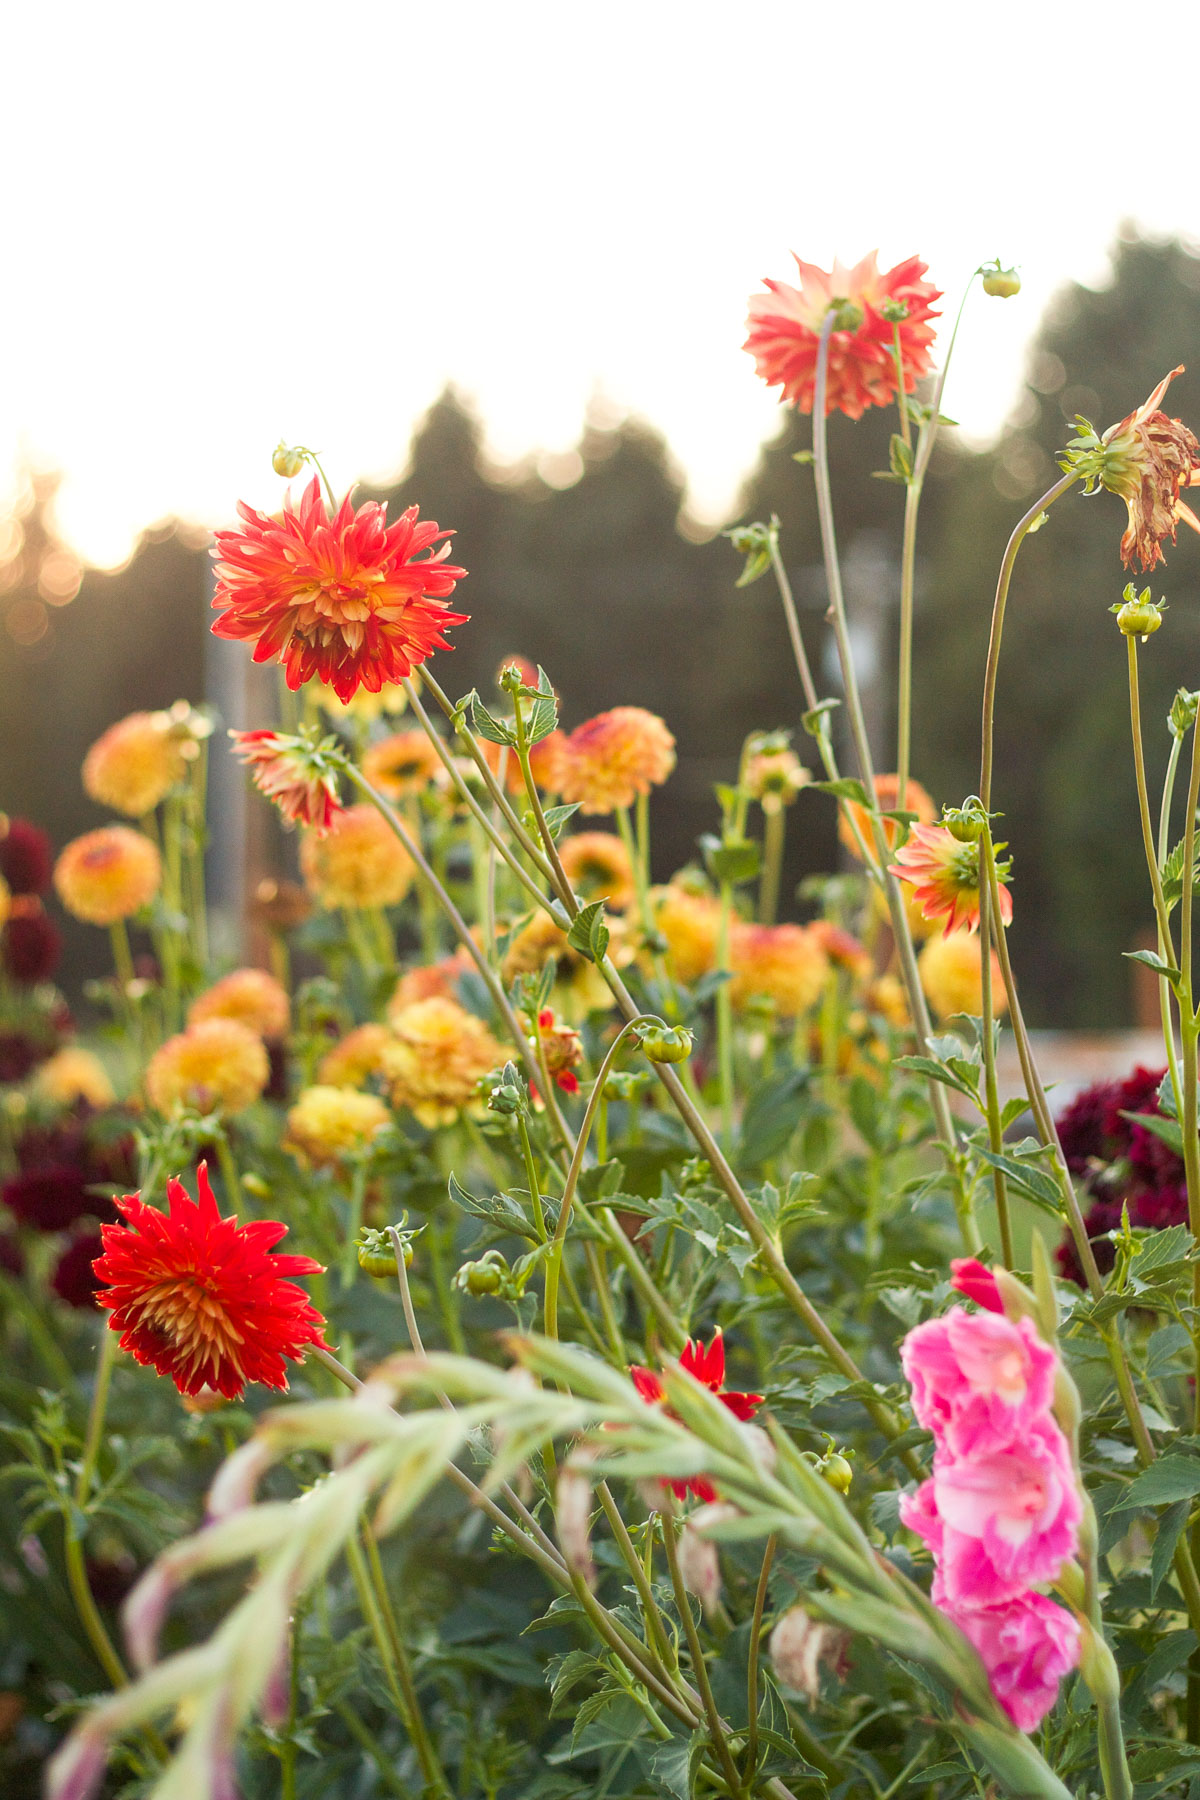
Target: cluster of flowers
64	1171
1121	1163
1002	1509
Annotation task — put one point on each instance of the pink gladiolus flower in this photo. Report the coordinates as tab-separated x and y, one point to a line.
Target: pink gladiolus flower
1001	1522
970	1278
1026	1647
979	1382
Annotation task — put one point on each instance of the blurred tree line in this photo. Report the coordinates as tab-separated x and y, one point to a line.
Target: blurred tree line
624	600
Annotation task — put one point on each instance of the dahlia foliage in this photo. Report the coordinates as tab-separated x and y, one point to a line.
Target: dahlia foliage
682	1265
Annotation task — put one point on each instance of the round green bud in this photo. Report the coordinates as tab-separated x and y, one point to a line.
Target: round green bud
894	311
1139	617
848	315
376	1255
286	461
1001	283
505	1099
667	1043
836	1471
480	1277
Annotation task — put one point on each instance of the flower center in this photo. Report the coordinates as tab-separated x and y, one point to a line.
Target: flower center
192	1320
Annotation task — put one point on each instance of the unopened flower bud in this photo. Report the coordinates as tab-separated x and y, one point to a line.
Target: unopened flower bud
286	461
847	314
505	1099
1001	283
482	1277
1182	715
965	822
894	311
1138	615
667	1043
376	1255
573	1513
835	1470
802	1646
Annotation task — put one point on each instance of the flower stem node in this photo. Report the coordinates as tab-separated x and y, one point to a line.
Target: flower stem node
666	1043
287	460
1000	283
1138	615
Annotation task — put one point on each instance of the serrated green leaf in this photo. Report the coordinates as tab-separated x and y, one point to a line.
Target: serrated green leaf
1171	1478
936	1071
556	817
848	788
1161	1557
730	859
1033	1182
488	726
589	934
543	714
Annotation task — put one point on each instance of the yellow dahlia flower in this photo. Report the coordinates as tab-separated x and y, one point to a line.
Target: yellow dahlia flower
691	924
364	706
108	874
950	975
358	862
784	963
252	997
134	764
440	1053
216	1066
402	765
359	1055
74	1074
598	867
329	1124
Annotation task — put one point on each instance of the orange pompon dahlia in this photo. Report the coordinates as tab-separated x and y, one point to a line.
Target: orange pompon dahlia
547	759
598	867
842	948
691	924
785	327
708	1368
216	1066
1147	458
135	764
358	862
786	964
403	765
252	997
611	759
294	772
359	1055
108	875
887	790
943	873
951	975
204	1299
349	599
438	1057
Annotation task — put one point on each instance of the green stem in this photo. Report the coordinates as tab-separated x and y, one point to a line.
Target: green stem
398	1674
229	1174
760	1602
1139	765
988	1034
1164	990
724	1012
1189	1027
358	1194
774	837
793	622
531	1175
908	564
716	1730
659	1641
431	1767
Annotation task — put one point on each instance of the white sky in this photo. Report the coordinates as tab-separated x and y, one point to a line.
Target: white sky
228	222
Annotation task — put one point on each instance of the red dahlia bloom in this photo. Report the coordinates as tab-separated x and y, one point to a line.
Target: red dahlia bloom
291	773
943	873
202	1299
785	327
350	599
708	1368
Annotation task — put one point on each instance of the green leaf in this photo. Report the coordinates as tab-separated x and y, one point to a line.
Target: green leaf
1159	1250
1153	960
671	1764
1165	1129
1033	1182
936	1071
730	859
756	565
543	715
848	788
816	720
557	816
1169	1479
489	727
1169	1528
589	934
771	1116
900	458
500	1210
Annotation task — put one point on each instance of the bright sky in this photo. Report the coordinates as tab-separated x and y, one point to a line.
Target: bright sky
229	222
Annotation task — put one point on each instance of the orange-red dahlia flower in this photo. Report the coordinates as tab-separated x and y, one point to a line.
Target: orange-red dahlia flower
404	764
598	867
358	862
359	1055
708	1368
218	1065
887	789
202	1299
949	967
438	1056
252	997
785	327
1148	458
108	874
842	948
134	764
350	599
294	773
611	759
783	963
943	873
430	980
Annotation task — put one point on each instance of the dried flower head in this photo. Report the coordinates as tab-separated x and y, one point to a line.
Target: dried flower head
783	963
202	1299
439	1055
598	867
346	598
134	764
327	1125
403	765
950	975
611	759
107	875
297	773
71	1075
562	1048
252	997
216	1066
943	873
358	862
1147	459
785	327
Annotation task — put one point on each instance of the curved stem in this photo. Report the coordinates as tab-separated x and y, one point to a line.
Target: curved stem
793	621
760	1602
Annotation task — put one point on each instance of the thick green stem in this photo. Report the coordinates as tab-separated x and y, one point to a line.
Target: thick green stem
774	835
991	1091
1139	765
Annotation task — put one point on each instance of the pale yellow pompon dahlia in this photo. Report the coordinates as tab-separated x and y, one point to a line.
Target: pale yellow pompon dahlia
216	1066
329	1124
359	1055
403	765
950	975
611	759
691	924
598	867
74	1074
134	764
782	963
252	997
108	874
358	862
440	1053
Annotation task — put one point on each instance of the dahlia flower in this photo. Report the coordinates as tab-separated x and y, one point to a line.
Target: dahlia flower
707	1366
74	1278
887	790
978	1380
329	1124
25	856
71	1075
562	1048
691	924
773	776
358	862
108	875
439	1055
134	764
782	963
293	773
403	765
30	943
252	997
365	706
951	977
429	980
1027	1647
785	327
216	1066
611	759
943	873
202	1299
598	866
1148	457
352	1062
348	599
